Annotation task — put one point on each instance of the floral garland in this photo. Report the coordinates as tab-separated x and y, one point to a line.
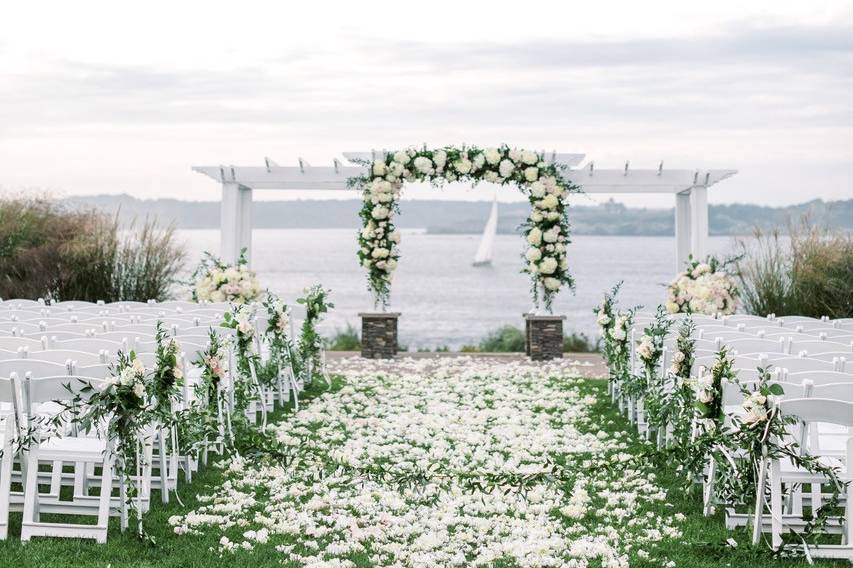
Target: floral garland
629	384
275	334
605	317
704	288
216	281
316	302
678	410
164	386
199	424
546	230
241	318
650	351
709	391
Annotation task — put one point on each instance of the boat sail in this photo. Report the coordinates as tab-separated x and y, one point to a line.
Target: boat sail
487	242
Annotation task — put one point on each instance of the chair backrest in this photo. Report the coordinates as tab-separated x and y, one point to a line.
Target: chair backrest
819	410
53	337
144	345
732	395
22	327
97	371
148	358
88	344
756	345
200	330
135	328
63	355
793	321
34	367
834	391
38	390
728	335
819	346
798	364
819	377
86	328
122	337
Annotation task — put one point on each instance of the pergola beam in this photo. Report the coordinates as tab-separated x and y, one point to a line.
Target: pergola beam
690	188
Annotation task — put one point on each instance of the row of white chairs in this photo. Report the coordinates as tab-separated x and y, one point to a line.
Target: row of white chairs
817	381
49	360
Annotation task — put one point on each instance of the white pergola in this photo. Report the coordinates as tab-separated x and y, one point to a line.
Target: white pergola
690	188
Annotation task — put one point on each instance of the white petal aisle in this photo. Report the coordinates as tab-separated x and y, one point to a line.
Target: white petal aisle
444	425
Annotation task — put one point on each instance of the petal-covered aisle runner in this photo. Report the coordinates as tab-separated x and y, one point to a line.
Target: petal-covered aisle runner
418	463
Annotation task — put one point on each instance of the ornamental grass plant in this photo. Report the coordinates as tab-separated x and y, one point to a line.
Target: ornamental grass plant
808	273
58	253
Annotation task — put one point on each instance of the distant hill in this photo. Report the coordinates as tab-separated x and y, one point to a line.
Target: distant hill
610	218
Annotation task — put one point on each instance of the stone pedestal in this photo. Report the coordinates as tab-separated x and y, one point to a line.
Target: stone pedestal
379	334
544	336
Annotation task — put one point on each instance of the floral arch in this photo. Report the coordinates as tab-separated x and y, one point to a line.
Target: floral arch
546	230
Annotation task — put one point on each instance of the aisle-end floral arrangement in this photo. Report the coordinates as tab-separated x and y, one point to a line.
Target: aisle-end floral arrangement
704	288
542	181
217	281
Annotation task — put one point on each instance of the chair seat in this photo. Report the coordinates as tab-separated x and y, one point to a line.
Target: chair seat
791	472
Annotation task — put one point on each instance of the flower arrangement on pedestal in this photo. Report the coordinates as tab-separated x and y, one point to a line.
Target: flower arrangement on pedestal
216	281
546	230
704	288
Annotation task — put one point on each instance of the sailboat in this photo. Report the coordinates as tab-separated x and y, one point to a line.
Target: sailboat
487	242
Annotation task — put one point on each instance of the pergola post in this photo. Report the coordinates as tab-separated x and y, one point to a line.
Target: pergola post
699	221
683	232
235	222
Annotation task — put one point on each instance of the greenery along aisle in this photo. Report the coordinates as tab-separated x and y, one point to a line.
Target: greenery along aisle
546	228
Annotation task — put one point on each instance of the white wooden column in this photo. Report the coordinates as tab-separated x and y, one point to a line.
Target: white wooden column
245	234
235	222
683	234
699	222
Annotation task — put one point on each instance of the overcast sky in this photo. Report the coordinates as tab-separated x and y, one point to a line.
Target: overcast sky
100	97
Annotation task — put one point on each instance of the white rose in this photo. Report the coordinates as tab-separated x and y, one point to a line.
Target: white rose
672	307
529	157
537	189
395	236
379	169
548	265
401	157
491	177
390	265
379	253
492	155
440	158
705	396
462	166
479	160
531	174
534	237
380	212
548	202
139	390
515	155
424	165
533	254
550	236
551	284
506	168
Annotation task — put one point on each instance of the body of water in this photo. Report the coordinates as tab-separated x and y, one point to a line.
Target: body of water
443	299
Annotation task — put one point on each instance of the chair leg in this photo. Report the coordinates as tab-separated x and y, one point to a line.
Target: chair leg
5	489
708	493
106	495
759	503
164	473
776	510
31	490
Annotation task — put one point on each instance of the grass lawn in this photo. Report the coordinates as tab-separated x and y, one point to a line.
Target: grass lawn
204	549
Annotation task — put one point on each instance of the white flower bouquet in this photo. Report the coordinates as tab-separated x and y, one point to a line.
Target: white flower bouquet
704	288
215	281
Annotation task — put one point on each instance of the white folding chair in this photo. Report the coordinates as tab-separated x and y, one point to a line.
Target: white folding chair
820	377
778	473
71	450
818	346
8	441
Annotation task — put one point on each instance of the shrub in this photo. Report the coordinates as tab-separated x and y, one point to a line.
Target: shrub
50	252
506	339
510	339
346	340
810	276
580	343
